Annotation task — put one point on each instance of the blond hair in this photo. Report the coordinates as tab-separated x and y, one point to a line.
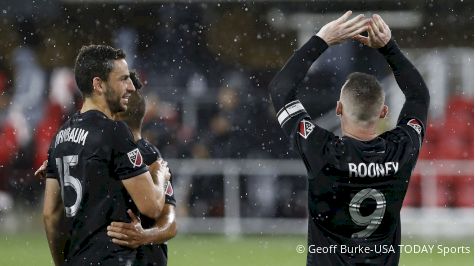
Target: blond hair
362	97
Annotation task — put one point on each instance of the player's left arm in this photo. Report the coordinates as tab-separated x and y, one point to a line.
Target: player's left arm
133	235
53	216
165	227
410	81
283	87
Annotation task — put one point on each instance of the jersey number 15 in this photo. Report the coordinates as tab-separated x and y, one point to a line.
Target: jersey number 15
68	180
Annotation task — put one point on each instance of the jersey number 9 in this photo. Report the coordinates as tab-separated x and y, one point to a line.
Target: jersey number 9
371	221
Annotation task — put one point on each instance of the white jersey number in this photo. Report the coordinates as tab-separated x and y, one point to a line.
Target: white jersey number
371	221
69	180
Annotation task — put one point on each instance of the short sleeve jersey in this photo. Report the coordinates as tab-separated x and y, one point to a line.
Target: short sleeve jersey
90	156
356	188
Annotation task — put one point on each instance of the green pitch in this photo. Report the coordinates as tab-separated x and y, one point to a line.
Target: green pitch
32	249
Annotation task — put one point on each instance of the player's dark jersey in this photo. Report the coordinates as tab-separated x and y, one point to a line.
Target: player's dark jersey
153	254
356	188
90	156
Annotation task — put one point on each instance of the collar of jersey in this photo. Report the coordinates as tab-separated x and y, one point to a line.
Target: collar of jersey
377	144
92	112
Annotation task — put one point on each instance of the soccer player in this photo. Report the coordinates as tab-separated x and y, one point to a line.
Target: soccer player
95	171
150	242
356	182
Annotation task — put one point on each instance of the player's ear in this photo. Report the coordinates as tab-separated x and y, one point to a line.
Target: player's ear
97	85
384	111
339	108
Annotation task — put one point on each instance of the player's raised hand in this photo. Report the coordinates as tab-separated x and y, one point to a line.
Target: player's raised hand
164	170
342	29
379	33
131	234
41	172
159	170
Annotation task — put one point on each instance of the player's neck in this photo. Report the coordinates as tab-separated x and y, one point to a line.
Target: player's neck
358	132
136	133
91	104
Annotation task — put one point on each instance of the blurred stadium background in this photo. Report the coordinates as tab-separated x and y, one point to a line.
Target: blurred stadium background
241	195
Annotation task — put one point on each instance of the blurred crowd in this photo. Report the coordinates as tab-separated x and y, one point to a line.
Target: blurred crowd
199	104
205	88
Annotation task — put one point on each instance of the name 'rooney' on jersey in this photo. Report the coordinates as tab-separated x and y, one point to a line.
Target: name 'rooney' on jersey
372	169
76	135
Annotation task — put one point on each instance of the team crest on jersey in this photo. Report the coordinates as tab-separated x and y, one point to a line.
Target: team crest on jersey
135	157
415	125
169	190
305	128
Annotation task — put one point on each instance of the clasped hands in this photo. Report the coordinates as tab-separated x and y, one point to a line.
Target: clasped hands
345	28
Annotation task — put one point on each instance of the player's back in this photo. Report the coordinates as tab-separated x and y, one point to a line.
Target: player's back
356	191
91	155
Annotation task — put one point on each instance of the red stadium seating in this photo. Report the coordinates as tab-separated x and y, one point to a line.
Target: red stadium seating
463	191
45	132
449	139
9	144
413	194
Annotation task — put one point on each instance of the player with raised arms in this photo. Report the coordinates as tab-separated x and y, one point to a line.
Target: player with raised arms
357	182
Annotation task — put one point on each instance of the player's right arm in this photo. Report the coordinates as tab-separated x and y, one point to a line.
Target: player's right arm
53	215
159	174
283	88
147	196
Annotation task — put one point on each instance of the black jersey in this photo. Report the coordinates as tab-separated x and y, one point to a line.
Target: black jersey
90	156
153	254
355	190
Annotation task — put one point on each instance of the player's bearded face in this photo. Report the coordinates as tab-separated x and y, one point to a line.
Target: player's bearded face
118	87
114	99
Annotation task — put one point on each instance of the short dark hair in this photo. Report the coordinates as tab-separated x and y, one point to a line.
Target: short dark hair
135	80
365	96
135	112
94	61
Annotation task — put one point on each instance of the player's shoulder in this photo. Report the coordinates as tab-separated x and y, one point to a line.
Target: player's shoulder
145	143
396	135
147	146
406	130
148	150
119	130
93	120
105	126
74	127
397	140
